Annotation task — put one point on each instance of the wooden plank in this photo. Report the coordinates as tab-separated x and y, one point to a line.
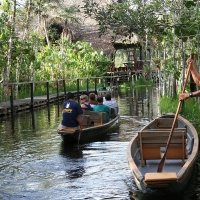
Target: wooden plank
150	142
162	145
176	152
151	153
161	137
99	117
163	123
68	129
161	176
86	121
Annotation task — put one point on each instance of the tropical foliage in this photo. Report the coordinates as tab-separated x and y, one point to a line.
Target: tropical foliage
31	50
75	60
28	51
169	28
169	105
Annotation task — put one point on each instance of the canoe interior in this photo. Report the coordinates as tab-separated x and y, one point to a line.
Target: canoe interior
171	165
152	165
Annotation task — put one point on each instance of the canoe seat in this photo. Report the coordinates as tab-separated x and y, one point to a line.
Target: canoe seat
165	123
68	129
98	118
86	121
160	177
151	142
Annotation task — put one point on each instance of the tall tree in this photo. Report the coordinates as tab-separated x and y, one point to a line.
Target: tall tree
11	7
151	19
24	38
43	9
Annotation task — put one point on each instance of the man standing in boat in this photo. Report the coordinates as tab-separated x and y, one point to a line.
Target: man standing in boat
196	78
72	114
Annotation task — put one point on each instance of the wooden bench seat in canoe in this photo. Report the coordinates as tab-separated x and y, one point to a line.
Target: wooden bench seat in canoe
68	129
98	118
86	121
160	178
151	142
165	123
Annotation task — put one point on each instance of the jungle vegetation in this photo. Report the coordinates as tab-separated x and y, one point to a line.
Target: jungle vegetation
169	29
31	49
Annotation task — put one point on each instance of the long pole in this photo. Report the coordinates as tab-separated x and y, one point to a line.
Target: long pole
79	135
162	162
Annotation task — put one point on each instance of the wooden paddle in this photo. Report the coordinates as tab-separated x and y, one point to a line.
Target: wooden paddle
79	135
162	162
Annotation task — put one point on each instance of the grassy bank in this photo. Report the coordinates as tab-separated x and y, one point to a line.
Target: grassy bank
189	110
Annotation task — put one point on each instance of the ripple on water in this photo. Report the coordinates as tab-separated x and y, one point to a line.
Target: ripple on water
35	164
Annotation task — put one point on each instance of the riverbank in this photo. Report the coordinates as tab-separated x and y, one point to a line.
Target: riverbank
38	101
189	110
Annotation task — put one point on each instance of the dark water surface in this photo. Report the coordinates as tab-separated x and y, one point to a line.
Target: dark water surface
34	164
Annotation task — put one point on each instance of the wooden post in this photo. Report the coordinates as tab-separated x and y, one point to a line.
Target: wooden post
47	85
48	104
78	90
31	85
10	93
87	86
32	106
64	87
95	84
57	90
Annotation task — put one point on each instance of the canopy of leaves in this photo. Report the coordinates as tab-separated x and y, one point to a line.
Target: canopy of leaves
153	18
127	17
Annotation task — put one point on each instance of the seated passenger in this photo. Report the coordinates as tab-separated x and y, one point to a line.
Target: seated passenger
102	108
72	113
111	103
84	103
93	102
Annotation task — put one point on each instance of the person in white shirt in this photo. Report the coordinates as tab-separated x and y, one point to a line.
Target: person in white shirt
111	103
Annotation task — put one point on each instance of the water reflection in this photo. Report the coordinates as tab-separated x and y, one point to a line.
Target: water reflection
74	162
140	102
70	151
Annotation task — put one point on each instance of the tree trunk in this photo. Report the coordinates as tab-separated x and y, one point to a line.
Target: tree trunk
164	72
183	64
46	34
174	62
23	46
9	53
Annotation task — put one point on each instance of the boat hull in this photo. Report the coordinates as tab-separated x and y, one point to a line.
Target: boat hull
89	134
183	172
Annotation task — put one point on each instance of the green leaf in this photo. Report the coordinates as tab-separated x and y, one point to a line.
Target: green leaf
170	35
189	4
182	19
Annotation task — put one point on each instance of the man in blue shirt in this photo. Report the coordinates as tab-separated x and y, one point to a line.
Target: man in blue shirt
102	108
72	113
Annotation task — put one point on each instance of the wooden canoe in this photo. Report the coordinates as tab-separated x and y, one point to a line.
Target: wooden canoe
89	133
146	149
